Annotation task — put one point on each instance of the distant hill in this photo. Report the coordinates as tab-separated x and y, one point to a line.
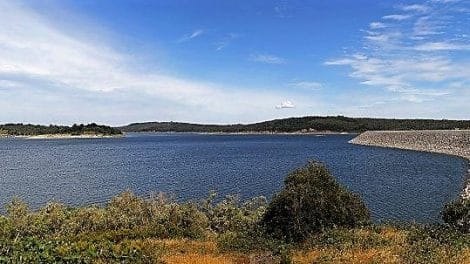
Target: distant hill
34	130
304	124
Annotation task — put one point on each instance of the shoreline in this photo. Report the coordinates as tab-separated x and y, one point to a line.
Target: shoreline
248	133
61	136
449	142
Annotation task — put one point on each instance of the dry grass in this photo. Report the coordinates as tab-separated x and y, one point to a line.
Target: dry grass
185	246
394	252
206	259
198	252
466	256
354	256
206	252
367	246
323	255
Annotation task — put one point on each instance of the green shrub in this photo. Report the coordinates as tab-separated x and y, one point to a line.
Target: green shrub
19	220
34	250
230	215
434	244
126	210
187	221
86	219
457	214
312	201
50	220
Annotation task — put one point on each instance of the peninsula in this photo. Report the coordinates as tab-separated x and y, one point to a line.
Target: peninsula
54	131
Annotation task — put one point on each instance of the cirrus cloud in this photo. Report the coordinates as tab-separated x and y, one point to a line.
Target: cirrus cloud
267	58
418	59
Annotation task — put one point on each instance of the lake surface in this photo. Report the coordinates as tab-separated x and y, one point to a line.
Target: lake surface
395	184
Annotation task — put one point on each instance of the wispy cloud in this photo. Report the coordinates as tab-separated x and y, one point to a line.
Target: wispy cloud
415	7
196	33
398	17
417	59
226	40
283	9
383	38
445	1
442	46
428	25
377	25
267	58
285	104
66	79
307	85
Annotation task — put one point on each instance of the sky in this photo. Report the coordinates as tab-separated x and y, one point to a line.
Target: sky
118	62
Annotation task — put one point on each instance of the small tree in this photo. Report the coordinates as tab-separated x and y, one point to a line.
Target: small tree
311	201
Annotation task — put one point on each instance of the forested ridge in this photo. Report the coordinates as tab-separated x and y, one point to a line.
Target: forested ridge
32	130
294	124
305	124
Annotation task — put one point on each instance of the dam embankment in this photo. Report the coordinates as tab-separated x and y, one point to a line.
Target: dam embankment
452	142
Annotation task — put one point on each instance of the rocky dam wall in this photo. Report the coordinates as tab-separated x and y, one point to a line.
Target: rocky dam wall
452	142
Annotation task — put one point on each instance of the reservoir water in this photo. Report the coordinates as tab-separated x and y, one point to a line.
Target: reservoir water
395	184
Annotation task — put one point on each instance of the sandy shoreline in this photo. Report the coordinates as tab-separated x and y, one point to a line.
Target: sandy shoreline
450	142
67	136
251	133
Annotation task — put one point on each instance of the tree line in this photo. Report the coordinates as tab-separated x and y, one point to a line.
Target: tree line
305	124
32	130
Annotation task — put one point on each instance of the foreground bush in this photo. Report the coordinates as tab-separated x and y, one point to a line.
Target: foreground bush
312	201
312	207
457	214
59	233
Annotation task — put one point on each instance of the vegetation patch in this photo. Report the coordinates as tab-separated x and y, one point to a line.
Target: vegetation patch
35	130
131	229
313	201
304	124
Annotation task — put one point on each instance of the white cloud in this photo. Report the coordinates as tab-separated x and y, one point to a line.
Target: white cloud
283	10
400	74
285	104
398	17
342	61
5	84
196	33
372	104
225	41
416	8
48	75
439	46
445	1
267	58
427	25
417	60
307	85
377	25
384	39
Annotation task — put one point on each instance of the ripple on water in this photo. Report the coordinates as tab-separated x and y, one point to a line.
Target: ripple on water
396	184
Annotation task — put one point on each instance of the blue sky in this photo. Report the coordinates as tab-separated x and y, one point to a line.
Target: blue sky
118	62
